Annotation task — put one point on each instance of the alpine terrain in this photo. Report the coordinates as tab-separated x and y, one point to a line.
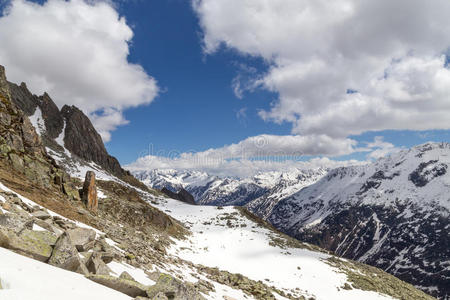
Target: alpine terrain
392	214
75	225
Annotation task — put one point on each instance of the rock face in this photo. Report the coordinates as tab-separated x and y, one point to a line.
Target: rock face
80	136
82	139
89	192
182	195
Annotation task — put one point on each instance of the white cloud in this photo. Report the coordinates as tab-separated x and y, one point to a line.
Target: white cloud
390	52
235	168
76	51
379	148
282	146
255	154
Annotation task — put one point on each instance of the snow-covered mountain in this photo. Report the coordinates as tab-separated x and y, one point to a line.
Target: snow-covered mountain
393	214
262	189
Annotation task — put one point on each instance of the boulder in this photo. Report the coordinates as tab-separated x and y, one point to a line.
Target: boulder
127	276
89	192
48	226
82	238
95	265
173	288
128	287
41	214
66	256
107	257
34	244
15	222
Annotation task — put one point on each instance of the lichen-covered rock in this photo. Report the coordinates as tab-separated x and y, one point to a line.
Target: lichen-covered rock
65	256
128	287
34	244
126	276
14	222
173	288
89	192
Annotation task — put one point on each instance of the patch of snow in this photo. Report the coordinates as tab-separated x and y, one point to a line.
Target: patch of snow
101	194
37	121
60	139
138	274
38	228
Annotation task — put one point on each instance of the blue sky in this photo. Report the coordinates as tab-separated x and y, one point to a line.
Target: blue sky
176	63
198	109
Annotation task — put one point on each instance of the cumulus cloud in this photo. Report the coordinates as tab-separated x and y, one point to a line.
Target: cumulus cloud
390	54
256	154
76	51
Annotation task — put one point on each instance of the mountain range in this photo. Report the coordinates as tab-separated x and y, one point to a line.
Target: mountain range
392	213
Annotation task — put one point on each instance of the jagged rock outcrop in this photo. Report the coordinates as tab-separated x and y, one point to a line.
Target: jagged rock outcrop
89	192
83	140
20	145
182	195
80	136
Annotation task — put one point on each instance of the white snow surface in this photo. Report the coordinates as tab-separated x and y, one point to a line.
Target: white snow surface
23	278
245	249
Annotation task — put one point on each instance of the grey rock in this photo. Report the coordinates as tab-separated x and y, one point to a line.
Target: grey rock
127	276
41	214
34	244
82	238
173	288
95	265
128	287
65	256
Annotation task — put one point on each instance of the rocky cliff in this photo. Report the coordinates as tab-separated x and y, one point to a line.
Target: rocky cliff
78	134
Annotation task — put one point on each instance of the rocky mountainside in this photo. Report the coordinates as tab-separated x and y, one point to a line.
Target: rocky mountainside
67	128
261	190
118	241
393	214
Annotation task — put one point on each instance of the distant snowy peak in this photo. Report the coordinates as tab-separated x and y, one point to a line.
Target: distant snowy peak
214	190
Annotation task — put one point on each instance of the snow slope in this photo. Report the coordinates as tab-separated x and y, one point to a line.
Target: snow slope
224	238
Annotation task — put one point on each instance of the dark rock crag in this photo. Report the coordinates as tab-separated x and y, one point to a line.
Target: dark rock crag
182	195
80	136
